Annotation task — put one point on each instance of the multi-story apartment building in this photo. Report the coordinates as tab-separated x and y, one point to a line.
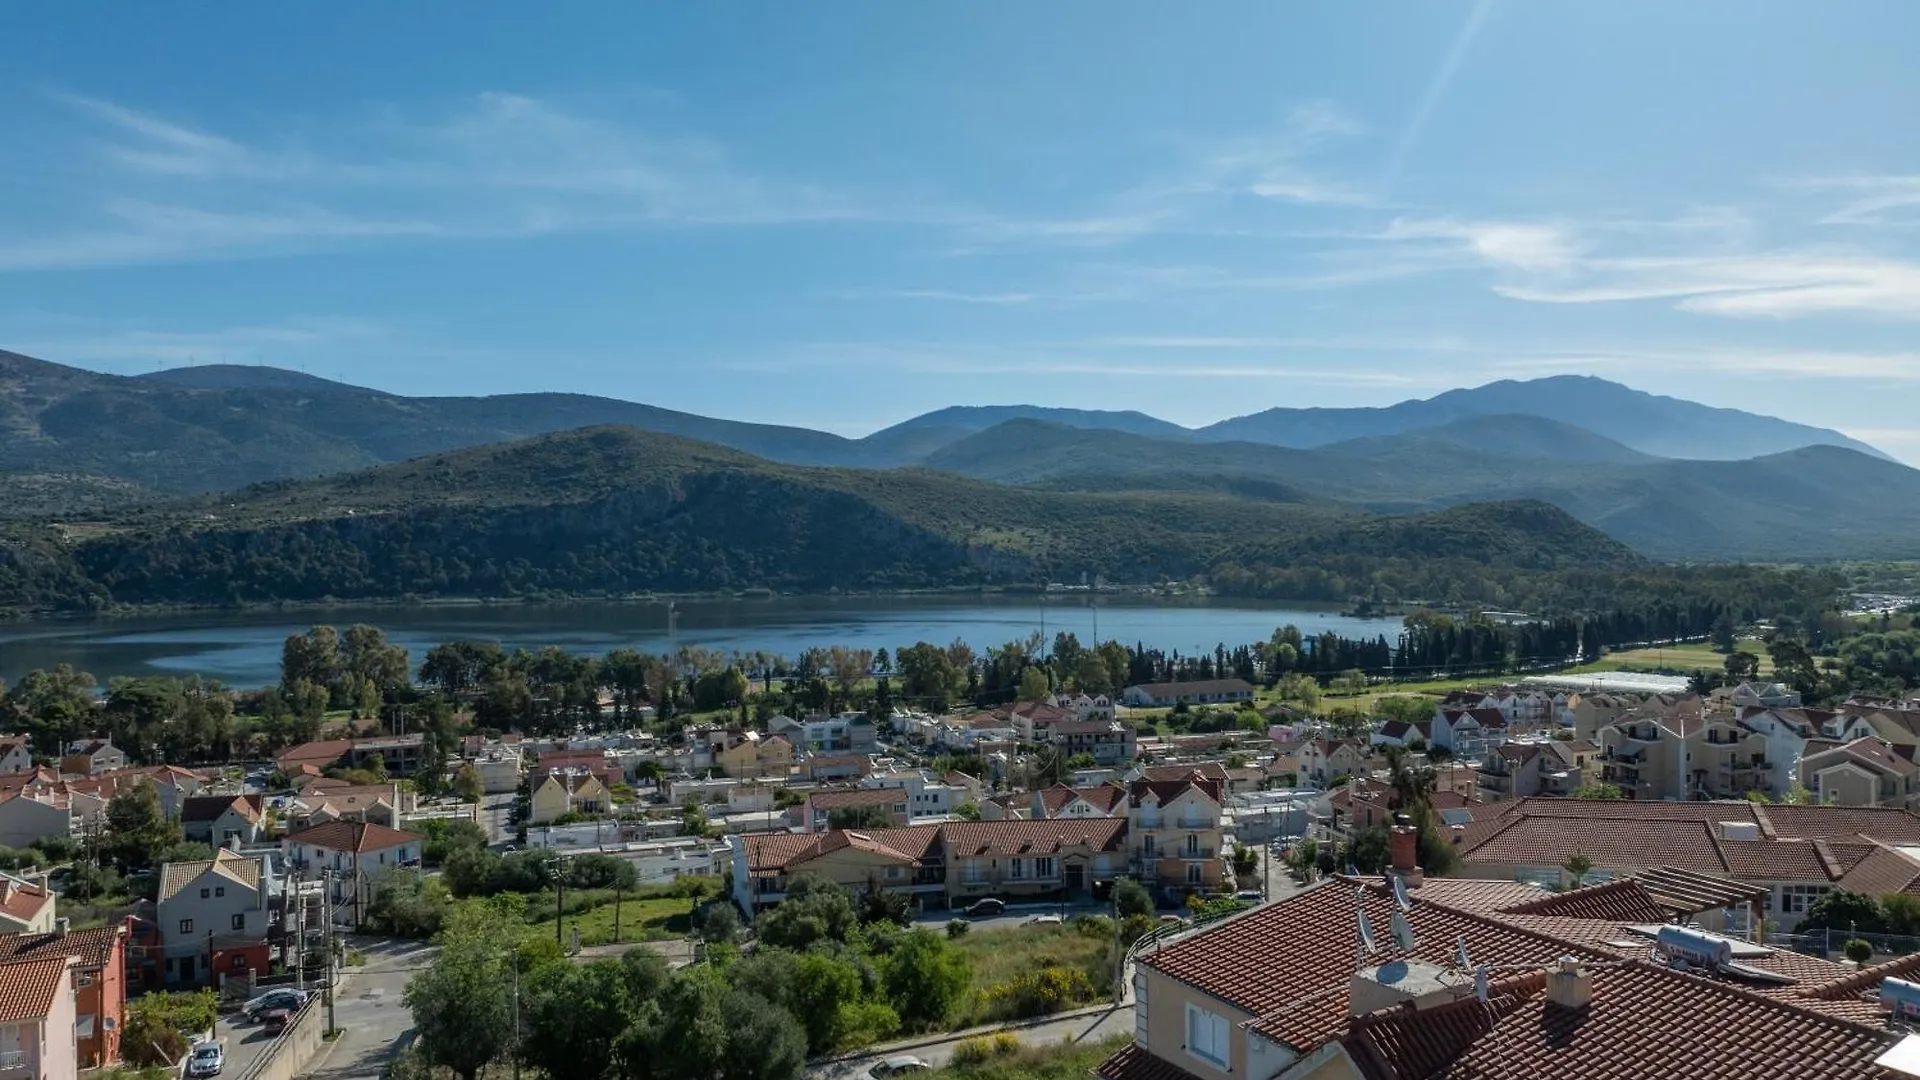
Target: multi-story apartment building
1688	756
1174	831
1516	770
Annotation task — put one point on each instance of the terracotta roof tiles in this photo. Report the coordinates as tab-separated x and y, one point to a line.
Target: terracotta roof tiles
355	836
1622	901
28	987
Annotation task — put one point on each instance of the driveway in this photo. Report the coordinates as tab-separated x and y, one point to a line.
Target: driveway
369	1007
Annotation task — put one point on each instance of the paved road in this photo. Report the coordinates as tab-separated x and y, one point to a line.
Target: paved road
370	1009
494	812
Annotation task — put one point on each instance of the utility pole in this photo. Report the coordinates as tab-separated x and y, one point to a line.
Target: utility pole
326	909
299	932
516	1014
559	908
619	893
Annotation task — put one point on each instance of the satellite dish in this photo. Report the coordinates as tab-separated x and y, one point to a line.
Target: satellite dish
1402	932
1400	896
1366	928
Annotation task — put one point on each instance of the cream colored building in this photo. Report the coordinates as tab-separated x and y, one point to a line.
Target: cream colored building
564	792
1174	832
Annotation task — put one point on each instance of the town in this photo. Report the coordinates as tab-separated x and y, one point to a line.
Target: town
1215	876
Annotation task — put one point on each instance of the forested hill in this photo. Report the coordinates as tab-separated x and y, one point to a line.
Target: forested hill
613	510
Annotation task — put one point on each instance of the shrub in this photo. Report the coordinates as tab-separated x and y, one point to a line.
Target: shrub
957	928
862	1023
1005	1043
1858	950
972	1051
1038	993
1093	926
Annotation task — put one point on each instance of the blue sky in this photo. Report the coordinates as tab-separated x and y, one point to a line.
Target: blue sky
843	214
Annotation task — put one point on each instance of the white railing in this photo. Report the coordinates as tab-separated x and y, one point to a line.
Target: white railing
12	1059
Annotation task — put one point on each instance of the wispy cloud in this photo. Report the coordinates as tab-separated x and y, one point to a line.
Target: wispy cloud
285	342
1436	91
1875	199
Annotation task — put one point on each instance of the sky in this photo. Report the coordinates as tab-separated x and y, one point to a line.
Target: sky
839	215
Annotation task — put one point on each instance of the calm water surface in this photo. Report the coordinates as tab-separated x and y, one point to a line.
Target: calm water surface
243	648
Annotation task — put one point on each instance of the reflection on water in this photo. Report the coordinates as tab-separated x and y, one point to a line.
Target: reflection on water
243	648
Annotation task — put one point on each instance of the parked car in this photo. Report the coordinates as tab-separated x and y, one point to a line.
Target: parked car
207	1059
284	998
275	1021
1249	896
1046	920
897	1066
987	906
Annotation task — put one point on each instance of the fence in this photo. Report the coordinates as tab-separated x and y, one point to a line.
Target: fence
1828	943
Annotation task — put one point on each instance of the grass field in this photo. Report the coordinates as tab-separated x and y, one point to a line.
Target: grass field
653	913
1676	657
997	956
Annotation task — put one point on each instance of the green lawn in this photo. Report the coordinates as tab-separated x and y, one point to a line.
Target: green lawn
998	956
653	913
1675	658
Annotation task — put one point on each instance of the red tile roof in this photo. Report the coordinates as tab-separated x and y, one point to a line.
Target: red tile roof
965	839
1840	823
355	836
90	948
775	852
1620	901
319	752
28	987
839	800
1885	870
22	903
1645	1023
1103	797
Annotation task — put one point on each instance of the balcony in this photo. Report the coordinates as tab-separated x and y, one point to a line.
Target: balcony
1197	853
14	1064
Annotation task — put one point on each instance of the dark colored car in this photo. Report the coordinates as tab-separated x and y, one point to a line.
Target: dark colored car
283	998
274	1021
988	906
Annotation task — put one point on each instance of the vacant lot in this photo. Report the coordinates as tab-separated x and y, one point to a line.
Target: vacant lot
1700	656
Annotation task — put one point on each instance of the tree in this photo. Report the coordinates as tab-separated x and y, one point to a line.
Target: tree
1034	685
312	657
1858	950
572	1017
1742	666
1844	909
158	1025
926	979
57	706
369	657
858	817
468	785
463	1002
1577	866
821	983
1724	633
930	674
764	1042
719	922
878	905
1351	681
1246	861
815	909
1131	898
1597	791
138	831
1091	675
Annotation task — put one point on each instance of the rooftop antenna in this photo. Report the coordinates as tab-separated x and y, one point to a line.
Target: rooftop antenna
1400	896
1460	958
1480	983
1402	932
1366	944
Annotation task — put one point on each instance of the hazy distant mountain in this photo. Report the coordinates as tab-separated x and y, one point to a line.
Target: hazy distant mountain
1662	426
1816	502
970	418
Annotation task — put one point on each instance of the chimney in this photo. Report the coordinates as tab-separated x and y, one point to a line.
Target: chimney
1403	845
62	925
1569	984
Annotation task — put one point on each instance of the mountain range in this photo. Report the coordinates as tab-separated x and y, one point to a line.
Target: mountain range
1670	478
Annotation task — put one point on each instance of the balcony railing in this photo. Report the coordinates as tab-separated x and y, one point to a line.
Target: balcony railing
13	1059
1196	853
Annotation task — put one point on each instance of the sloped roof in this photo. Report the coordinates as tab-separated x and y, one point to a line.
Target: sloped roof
776	852
239	869
28	987
21	902
1621	901
91	948
210	807
1645	1022
1106	797
1198	686
967	839
355	836
837	800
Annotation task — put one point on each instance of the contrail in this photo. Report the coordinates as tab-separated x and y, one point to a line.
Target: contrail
1436	90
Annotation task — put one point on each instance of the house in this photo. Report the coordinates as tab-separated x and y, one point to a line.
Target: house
1061	801
1034	721
974	789
1468	733
1108	742
1794	853
319	754
889	806
25	907
1015	860
16	755
595	762
324	799
91	757
845	733
1084	706
399	755
1323	762
926	796
1365	803
820	768
1764	695
1516	770
1175	834
568	791
223	820
1199	692
1403	734
100	984
1867	771
351	854
215	918
172	782
1697	755
974	729
754	756
906	861
26	817
39	1036
1490	981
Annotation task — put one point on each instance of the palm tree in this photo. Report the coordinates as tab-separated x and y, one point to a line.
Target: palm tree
1577	866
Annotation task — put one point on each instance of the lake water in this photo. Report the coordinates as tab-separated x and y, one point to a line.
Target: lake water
243	648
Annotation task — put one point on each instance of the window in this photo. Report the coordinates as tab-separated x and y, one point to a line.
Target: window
239	920
204	893
973	872
1016	869
1207	1037
1193	873
239	961
1794	899
219	890
1043	867
186	926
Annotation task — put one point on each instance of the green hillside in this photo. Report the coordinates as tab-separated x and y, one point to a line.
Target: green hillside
613	510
